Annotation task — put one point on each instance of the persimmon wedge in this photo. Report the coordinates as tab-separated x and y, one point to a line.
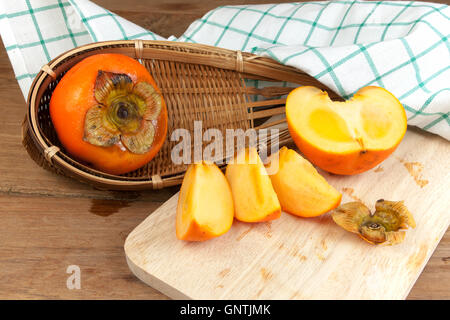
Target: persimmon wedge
205	205
301	190
345	137
254	198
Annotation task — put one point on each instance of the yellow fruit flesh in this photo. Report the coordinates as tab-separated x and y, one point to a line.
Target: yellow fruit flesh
254	197
205	201
372	119
300	188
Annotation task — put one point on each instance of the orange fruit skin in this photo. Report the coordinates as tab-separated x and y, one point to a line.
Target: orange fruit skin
272	216
74	95
196	233
316	214
343	163
301	190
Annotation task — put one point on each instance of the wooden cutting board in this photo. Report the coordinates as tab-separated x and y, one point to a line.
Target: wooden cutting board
297	258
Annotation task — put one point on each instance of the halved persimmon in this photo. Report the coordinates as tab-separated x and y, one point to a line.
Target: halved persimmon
205	205
345	137
108	112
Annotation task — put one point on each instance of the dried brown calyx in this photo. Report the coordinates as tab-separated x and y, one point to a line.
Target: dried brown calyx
386	225
125	114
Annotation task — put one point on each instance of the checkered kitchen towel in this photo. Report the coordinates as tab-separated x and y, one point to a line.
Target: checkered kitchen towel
401	46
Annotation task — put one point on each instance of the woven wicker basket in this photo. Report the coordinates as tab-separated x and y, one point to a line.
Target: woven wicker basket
198	82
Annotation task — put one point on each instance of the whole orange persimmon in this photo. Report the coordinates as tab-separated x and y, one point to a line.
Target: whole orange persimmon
108	112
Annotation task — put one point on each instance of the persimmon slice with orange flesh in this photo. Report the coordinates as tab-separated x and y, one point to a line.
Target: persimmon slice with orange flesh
345	137
255	199
301	190
205	205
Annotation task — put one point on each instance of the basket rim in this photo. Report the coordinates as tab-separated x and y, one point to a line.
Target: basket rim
138	47
36	132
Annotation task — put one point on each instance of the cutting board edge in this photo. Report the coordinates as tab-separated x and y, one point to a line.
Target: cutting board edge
142	275
425	262
154	282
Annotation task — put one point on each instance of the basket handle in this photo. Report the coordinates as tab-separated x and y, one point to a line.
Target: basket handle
49	152
157	182
240	60
48	71
139	49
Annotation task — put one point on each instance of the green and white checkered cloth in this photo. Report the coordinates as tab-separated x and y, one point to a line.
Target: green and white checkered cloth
401	46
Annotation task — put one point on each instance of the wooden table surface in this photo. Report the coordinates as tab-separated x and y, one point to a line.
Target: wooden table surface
48	222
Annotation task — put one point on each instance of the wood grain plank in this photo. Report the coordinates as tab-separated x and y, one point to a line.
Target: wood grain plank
42	236
172	17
